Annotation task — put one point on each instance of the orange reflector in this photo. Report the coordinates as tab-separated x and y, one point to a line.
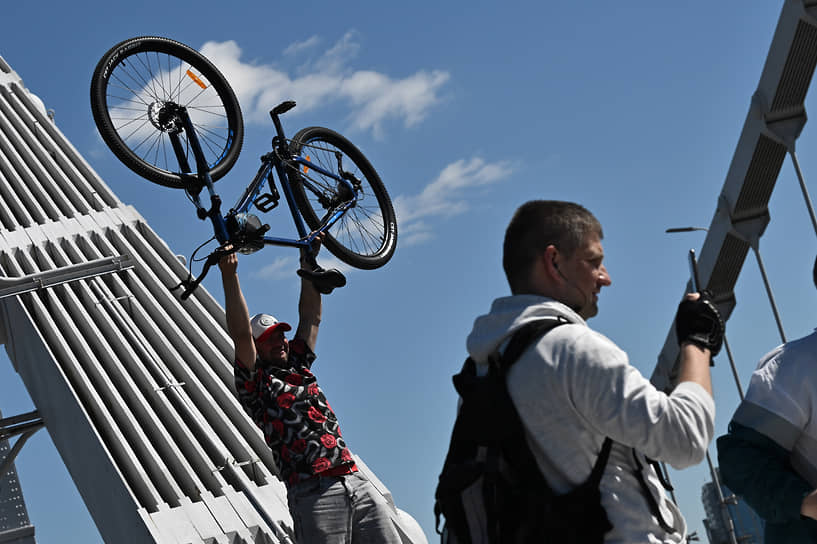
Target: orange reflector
195	78
306	168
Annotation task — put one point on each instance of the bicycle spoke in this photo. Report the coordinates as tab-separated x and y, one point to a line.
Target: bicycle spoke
212	134
363	229
156	77
126	71
126	87
130	121
209	110
148	84
316	186
209	143
135	131
154	149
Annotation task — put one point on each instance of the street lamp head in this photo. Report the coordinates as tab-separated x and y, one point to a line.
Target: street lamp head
685	229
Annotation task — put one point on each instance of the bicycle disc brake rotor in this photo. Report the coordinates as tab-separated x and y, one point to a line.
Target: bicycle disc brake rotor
165	116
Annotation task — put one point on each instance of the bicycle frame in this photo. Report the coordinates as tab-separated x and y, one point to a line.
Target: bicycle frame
253	192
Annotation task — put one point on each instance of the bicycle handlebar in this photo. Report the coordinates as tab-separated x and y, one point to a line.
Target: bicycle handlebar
190	284
325	281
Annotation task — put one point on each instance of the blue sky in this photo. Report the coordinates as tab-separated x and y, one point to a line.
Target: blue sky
467	110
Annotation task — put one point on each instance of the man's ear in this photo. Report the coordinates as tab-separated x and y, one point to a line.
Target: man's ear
550	256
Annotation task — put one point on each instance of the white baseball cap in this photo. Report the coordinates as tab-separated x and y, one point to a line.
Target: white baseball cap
264	324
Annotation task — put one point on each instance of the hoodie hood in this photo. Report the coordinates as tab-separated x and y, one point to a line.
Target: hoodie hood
507	315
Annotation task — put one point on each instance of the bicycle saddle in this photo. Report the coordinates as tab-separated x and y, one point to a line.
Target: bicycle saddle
324	280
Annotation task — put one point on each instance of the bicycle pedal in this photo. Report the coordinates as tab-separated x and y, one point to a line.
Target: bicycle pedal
266	202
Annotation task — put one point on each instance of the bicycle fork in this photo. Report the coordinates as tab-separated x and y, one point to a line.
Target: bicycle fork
203	178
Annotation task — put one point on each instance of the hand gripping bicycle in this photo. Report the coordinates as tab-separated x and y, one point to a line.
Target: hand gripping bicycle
162	106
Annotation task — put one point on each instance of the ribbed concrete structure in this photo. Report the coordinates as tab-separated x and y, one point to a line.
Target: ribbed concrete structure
134	386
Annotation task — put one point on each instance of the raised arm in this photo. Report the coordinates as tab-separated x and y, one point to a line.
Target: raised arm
238	317
694	366
309	309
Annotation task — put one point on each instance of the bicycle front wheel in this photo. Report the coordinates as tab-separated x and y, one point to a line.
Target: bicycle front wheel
366	235
136	91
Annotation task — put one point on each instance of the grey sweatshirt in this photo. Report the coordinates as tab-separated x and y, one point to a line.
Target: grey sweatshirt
577	387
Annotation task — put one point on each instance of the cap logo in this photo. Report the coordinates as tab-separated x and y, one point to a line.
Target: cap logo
267	321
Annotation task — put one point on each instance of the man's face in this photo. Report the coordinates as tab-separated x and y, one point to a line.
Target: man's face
274	349
583	276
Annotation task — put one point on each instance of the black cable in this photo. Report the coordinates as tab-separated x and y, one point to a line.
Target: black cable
193	256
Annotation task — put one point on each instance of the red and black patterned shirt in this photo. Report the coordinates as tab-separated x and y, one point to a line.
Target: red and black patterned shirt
298	424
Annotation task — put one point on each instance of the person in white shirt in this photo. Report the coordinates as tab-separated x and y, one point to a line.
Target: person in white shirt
574	387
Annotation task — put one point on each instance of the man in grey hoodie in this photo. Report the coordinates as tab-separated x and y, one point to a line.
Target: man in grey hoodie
575	387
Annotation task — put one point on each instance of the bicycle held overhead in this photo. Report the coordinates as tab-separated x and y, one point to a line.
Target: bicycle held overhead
162	106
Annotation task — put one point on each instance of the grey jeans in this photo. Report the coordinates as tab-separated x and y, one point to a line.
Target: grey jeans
340	510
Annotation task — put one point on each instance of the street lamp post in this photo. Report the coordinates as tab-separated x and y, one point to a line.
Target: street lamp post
715	479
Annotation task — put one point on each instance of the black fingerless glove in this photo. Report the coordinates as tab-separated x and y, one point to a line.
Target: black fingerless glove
700	322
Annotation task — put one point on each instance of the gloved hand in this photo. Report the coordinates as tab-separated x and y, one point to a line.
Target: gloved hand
699	321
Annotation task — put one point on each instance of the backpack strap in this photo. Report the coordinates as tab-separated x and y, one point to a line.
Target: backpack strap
601	462
520	341
664	479
653	504
523	338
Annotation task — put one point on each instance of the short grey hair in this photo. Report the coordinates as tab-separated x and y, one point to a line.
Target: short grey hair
538	224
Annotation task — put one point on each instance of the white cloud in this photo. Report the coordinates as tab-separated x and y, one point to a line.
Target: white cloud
284	268
334	58
327	261
279	269
380	98
444	196
415	233
299	47
98	149
372	97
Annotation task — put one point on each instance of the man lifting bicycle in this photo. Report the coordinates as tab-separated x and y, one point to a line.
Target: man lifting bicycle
330	501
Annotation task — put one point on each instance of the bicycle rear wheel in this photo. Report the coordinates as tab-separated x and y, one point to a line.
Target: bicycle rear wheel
366	236
136	89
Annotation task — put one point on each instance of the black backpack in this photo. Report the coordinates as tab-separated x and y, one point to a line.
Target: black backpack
491	490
